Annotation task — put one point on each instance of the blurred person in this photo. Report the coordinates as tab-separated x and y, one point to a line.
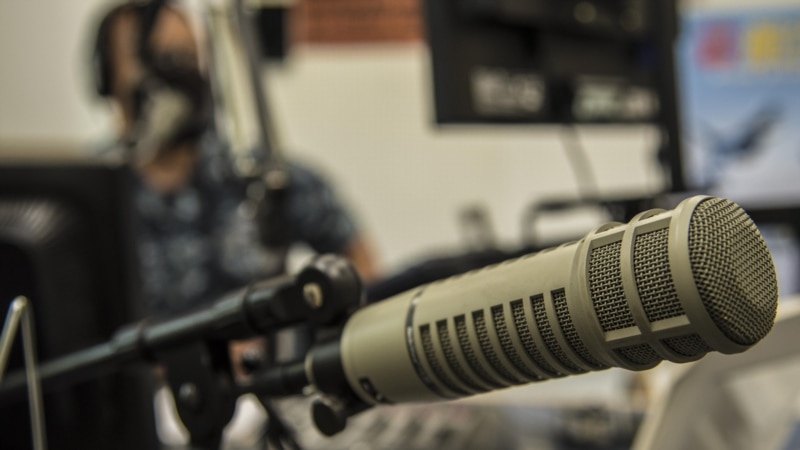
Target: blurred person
197	232
199	237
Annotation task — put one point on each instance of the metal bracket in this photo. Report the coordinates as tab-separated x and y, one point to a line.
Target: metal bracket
20	310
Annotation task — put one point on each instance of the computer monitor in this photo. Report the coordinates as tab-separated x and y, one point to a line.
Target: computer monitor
551	61
740	79
65	243
739	74
561	62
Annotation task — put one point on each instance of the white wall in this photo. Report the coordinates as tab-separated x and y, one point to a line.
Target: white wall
44	83
364	113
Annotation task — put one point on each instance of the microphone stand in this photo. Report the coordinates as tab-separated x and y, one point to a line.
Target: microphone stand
270	189
193	348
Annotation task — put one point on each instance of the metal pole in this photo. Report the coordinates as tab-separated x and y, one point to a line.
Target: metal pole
20	310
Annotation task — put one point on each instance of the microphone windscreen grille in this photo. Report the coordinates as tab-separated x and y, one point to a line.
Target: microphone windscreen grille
570	333
653	277
550	341
525	336
640	354
488	351
430	355
605	288
469	353
450	356
498	317
691	345
733	270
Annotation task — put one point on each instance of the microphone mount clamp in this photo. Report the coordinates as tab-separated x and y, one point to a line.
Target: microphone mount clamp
193	348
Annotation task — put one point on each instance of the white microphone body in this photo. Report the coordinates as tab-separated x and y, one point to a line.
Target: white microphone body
669	285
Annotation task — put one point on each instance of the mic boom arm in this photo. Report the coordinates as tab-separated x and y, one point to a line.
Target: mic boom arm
193	347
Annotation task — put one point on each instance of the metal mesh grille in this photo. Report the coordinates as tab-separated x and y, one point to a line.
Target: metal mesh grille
653	277
691	345
488	351
733	270
568	328
605	288
639	354
450	356
524	333
430	355
540	315
469	353
38	219
508	347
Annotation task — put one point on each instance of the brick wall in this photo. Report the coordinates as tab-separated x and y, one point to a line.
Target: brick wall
356	21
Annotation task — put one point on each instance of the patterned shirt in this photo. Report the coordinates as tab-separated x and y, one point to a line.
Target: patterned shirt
202	241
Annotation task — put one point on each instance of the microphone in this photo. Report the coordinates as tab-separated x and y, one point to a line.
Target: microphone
670	285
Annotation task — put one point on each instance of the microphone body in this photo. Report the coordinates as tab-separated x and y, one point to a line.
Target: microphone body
668	285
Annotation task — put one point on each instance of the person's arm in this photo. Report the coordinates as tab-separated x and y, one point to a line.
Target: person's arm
318	218
361	255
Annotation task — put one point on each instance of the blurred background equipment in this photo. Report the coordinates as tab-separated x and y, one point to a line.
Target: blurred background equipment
65	244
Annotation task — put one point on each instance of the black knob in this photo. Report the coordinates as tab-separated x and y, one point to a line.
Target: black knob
329	416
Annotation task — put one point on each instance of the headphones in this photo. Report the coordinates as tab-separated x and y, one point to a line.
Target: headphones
101	64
